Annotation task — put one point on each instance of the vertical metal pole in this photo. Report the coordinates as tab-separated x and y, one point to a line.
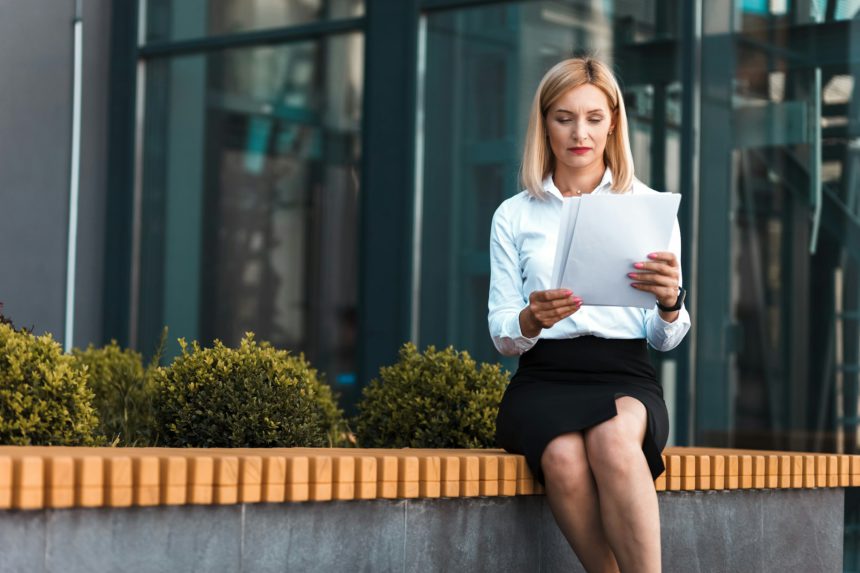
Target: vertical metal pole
74	179
418	208
815	160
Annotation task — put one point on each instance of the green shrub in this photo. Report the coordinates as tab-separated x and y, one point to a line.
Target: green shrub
44	399
123	391
251	396
438	399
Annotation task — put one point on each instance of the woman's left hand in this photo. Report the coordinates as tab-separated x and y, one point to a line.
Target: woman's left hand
659	275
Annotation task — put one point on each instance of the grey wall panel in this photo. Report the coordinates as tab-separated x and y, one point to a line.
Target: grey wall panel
36	58
766	531
35	128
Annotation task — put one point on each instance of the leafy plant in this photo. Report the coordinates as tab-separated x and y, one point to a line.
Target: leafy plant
250	396
123	391
44	399
438	399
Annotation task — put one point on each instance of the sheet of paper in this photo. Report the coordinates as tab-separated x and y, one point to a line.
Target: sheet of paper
569	211
608	234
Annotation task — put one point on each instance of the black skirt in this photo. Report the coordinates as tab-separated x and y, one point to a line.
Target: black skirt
571	384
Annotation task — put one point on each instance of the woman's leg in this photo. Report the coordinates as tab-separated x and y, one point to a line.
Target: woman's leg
628	500
572	497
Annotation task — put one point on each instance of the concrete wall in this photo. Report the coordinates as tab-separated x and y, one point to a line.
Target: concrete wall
741	530
36	66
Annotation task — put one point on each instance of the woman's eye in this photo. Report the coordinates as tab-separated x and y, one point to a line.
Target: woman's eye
595	120
564	121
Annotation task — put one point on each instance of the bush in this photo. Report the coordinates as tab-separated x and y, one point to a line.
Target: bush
123	391
251	396
439	399
44	399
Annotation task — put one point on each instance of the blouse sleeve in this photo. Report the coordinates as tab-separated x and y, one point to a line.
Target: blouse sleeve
662	335
506	290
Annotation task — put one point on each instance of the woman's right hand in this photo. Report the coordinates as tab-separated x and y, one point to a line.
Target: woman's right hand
546	307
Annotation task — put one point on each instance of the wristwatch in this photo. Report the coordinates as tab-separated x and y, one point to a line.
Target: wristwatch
679	302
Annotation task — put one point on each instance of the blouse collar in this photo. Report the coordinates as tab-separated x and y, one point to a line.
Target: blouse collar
603	186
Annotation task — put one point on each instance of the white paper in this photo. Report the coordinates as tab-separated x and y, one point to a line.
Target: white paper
600	239
569	211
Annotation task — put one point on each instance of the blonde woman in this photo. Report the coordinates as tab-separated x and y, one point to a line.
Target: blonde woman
584	406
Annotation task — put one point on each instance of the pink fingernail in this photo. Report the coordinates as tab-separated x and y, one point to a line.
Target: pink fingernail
631	275
639	265
652	255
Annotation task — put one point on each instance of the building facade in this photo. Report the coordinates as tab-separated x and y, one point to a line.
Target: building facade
323	173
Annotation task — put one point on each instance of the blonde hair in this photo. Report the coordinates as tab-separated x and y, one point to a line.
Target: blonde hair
538	159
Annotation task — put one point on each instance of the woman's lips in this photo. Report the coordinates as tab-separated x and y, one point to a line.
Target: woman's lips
579	150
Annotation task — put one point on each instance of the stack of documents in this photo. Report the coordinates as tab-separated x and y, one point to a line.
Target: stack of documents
601	236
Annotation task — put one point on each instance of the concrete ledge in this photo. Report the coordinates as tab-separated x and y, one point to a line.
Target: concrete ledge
61	477
742	530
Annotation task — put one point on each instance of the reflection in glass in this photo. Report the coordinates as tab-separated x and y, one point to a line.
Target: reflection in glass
250	198
185	19
793	349
482	68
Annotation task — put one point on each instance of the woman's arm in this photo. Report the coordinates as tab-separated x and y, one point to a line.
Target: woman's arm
506	300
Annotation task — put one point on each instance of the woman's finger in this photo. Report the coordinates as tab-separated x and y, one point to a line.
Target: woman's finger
658	291
550	295
548	318
654	278
660	268
556	303
667	257
558	311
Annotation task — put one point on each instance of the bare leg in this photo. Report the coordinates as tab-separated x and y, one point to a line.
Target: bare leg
572	497
628	500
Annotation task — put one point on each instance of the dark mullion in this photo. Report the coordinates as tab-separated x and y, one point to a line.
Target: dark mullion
690	72
120	174
312	31
439	5
387	183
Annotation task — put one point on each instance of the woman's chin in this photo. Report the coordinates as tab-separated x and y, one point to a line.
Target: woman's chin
579	162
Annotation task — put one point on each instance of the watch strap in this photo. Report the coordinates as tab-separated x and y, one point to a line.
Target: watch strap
679	302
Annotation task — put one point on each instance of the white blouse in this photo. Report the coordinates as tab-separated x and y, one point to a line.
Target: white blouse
522	253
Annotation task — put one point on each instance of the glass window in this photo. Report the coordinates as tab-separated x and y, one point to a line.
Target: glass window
165	20
250	198
779	158
482	68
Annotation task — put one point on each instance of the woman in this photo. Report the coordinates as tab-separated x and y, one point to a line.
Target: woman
584	406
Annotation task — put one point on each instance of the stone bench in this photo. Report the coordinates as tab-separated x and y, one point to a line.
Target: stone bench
100	509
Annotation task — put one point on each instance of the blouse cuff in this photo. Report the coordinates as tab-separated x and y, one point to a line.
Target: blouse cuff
522	343
667	335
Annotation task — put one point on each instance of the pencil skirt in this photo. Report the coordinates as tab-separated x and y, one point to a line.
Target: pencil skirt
569	385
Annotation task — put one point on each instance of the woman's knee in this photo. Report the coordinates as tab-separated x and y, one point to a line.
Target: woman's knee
564	461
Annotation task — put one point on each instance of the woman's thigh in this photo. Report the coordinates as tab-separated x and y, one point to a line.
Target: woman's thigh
615	440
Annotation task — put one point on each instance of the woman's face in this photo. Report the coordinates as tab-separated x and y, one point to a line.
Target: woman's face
578	125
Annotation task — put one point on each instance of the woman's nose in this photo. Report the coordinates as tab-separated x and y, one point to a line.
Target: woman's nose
579	132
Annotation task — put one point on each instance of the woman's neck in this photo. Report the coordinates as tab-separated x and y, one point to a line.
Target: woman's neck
584	180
